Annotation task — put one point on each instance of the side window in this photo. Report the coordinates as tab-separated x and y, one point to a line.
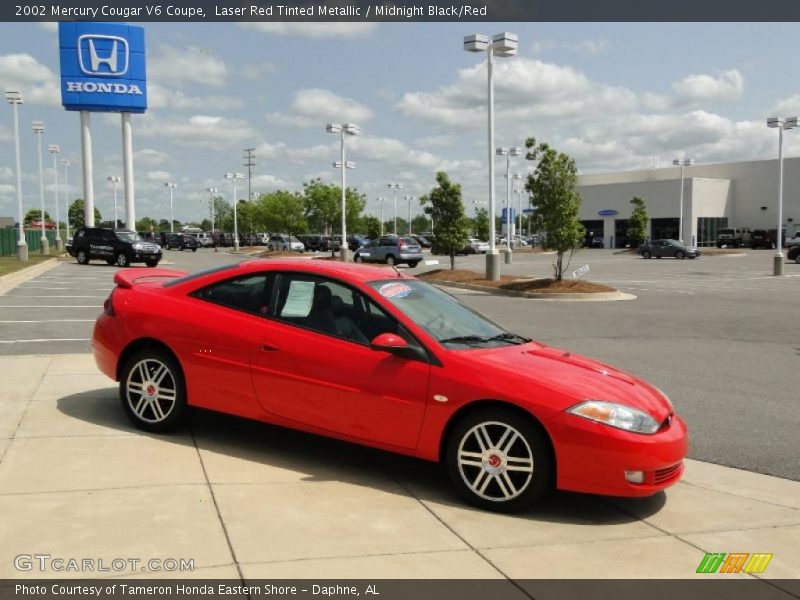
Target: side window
250	293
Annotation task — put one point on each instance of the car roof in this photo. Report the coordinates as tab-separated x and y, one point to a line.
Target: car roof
332	268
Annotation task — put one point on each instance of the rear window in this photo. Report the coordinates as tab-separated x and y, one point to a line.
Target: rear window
410	241
199	274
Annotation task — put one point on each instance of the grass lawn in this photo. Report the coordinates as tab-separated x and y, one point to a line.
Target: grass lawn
10	264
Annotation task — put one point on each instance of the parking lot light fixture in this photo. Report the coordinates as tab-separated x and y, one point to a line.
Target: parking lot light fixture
503	45
394	187
65	162
114	179
54	150
343	130
233	177
38	130
211	193
409	199
780	123
685	162
381	202
508	153
14	98
171	187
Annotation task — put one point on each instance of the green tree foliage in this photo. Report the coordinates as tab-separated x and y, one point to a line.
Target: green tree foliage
481	224
452	225
323	202
146	224
371	226
35	214
552	185
281	212
637	225
223	214
76	213
420	223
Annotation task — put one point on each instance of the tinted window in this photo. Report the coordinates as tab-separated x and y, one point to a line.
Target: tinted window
248	293
197	274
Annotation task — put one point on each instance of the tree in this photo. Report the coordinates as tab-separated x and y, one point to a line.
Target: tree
452	225
223	214
420	223
35	214
323	206
76	212
281	212
372	226
553	184
146	224
481	223
637	225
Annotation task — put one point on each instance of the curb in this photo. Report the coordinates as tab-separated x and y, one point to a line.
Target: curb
12	280
553	297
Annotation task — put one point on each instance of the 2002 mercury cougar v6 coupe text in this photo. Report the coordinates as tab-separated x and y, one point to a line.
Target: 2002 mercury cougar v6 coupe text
367	355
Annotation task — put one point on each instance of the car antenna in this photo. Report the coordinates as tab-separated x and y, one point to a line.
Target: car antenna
399	274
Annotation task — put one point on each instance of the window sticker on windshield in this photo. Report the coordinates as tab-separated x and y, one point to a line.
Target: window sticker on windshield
298	301
394	290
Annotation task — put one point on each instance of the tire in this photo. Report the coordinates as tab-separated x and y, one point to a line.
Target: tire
121	260
646	254
680	255
357	259
413	264
719	245
482	478
797	259
82	257
194	249
390	260
152	390
151	263
167	247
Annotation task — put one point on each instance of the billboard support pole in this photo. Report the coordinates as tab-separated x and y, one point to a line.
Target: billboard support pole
88	182
127	166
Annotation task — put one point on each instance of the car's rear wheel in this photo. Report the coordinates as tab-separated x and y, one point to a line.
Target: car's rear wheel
797	259
121	260
357	258
646	254
390	260
153	391
194	249
82	257
499	460
413	264
680	254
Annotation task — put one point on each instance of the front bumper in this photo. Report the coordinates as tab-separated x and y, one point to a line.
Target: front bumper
593	458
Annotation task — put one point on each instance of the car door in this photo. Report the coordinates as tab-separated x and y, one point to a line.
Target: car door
309	370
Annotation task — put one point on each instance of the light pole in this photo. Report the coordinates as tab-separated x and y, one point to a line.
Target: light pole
381	202
171	187
508	153
686	162
502	44
343	129
516	177
409	199
38	129
114	181
780	123
65	162
395	187
54	150
15	99
233	177
211	192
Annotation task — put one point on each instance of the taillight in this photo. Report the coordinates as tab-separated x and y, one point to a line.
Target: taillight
401	245
108	306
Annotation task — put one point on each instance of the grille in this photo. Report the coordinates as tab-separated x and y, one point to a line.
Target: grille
667	473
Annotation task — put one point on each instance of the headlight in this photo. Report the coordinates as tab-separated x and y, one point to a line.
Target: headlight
616	415
138	246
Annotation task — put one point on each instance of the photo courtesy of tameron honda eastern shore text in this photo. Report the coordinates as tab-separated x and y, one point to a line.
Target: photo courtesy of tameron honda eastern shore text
365	354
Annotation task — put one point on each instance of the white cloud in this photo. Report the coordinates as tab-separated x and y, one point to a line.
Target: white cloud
6	173
435	141
787	107
257	71
268	183
187	65
698	89
7	189
339	30
50	26
38	84
583	47
5	134
315	107
148	156
203	130
161	97
158	175
281	152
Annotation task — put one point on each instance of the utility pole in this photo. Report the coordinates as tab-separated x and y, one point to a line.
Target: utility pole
249	162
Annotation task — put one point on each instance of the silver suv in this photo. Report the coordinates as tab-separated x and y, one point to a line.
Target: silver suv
391	250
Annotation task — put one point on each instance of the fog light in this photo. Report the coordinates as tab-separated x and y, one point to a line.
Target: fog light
634	476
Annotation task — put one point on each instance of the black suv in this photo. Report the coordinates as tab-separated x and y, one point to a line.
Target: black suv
118	247
181	241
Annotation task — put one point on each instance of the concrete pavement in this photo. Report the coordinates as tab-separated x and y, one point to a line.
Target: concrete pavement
248	500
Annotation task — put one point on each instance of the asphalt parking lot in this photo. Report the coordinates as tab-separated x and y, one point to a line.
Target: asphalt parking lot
718	334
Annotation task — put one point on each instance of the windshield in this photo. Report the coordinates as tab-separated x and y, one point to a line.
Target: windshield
128	236
443	317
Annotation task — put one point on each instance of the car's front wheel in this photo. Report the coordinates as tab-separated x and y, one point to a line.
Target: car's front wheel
122	260
646	254
153	391
82	257
679	254
390	260
357	258
413	264
499	460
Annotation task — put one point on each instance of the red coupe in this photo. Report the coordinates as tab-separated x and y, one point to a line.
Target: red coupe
371	356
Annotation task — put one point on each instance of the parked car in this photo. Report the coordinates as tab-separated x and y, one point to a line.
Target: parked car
793	241
597	242
476	246
422	241
119	247
227	240
285	243
204	239
390	362
672	248
735	237
312	242
354	242
391	250
794	254
328	243
181	241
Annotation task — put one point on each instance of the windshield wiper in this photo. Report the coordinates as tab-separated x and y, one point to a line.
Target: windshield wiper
478	339
508	336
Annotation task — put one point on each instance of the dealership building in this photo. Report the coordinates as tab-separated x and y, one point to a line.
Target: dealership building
741	194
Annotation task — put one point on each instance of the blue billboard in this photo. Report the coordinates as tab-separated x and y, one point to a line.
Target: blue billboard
504	218
102	67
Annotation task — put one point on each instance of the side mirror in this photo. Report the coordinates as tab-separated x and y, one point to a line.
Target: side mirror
397	346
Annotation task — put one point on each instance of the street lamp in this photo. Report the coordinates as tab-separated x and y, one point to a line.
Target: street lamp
516	177
38	129
409	199
502	44
65	162
780	123
395	187
508	153
54	150
233	177
114	179
211	192
171	187
381	202
686	162
15	99
343	129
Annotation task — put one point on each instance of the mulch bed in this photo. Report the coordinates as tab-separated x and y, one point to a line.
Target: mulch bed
277	254
520	284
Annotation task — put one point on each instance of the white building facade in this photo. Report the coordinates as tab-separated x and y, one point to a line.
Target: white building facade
743	194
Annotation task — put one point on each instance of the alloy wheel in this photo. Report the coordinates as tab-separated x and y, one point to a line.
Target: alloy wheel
151	390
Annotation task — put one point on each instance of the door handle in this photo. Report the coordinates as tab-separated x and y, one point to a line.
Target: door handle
267	348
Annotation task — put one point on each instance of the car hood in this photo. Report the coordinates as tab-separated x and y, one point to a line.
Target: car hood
534	371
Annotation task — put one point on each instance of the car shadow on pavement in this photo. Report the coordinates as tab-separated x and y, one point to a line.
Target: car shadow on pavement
268	449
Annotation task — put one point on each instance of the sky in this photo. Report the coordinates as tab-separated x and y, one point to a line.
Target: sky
614	96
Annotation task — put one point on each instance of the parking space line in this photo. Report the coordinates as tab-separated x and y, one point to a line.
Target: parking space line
52	306
42	340
51	296
53	321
